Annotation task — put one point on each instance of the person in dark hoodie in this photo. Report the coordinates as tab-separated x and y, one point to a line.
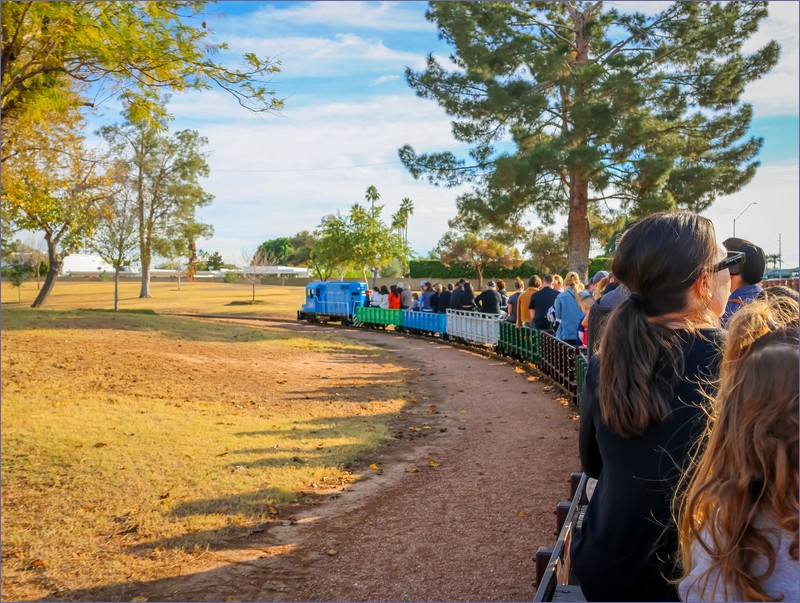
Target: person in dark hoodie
444	298
489	300
455	298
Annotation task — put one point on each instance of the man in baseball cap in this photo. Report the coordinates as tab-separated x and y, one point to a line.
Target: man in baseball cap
744	276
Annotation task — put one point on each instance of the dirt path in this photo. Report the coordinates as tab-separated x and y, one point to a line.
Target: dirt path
455	511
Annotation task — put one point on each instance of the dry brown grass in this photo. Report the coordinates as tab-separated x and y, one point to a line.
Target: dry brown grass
200	297
132	442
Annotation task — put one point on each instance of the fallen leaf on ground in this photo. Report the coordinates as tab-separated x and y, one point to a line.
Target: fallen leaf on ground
432	463
331	552
411	470
272	510
374	467
522	514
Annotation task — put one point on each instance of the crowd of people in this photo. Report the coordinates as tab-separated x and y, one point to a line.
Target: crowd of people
689	424
689	412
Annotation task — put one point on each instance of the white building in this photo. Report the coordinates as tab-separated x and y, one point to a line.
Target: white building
294	271
85	263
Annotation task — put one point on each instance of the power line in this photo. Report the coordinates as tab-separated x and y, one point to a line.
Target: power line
346	167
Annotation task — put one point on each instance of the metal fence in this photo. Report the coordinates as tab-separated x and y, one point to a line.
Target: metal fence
474	326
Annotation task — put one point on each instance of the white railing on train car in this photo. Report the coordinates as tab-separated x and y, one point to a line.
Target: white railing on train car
337	308
474	326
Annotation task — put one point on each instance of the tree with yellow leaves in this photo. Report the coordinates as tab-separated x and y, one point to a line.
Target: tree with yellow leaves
56	186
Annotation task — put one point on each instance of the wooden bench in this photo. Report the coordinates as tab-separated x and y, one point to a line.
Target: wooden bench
554	578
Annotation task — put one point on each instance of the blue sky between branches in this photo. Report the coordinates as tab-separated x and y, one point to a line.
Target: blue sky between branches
348	110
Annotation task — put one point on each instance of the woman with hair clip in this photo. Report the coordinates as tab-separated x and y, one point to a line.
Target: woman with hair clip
739	515
643	405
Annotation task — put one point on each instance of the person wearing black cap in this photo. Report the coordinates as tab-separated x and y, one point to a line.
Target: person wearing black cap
489	300
745	276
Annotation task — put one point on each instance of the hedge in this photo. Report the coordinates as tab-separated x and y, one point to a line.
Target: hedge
435	269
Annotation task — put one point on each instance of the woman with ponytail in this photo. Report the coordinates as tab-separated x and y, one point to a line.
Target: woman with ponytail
643	407
739	514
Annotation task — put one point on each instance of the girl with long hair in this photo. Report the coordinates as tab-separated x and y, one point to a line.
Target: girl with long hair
739	515
643	407
568	309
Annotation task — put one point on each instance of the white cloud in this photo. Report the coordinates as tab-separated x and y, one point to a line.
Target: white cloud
343	54
385	78
776	92
383	16
776	190
278	177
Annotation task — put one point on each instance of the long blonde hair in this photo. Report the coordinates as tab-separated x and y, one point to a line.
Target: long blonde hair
573	280
750	463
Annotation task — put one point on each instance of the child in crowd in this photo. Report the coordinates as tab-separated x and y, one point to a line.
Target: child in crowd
587	301
415	305
739	517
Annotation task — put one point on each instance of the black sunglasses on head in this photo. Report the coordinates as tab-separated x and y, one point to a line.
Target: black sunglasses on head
734	259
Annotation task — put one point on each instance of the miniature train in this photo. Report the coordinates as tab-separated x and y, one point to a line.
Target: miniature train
345	302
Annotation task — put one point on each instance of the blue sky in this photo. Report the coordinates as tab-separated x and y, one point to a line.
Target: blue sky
348	110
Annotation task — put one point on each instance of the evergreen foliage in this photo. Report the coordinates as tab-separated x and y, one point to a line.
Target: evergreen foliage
573	107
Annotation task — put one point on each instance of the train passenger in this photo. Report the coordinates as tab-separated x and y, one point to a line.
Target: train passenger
488	302
501	289
511	307
600	287
643	406
591	285
375	299
394	298
587	301
415	303
425	298
541	302
558	283
738	518
568	309
467	298
524	299
405	296
745	276
437	292
778	291
444	299
384	297
458	291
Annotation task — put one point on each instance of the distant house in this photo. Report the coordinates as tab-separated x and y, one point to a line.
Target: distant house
85	263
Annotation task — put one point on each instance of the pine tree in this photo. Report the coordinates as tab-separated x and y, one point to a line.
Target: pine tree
568	106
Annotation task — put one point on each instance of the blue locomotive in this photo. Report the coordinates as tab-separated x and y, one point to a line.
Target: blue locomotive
332	301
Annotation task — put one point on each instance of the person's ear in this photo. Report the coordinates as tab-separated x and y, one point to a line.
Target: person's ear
702	287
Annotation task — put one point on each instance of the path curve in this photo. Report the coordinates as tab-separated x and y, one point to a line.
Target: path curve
464	530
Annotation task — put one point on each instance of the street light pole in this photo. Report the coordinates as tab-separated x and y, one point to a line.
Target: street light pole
740	215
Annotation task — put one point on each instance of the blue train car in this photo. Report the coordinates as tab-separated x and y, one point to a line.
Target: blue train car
424	322
332	301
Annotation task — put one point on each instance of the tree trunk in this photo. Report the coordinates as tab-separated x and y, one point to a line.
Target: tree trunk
144	291
479	270
192	269
374	277
55	267
116	289
578	227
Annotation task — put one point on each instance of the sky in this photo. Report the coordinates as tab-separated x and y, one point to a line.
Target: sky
348	109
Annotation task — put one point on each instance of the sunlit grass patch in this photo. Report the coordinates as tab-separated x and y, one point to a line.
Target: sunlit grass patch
133	442
196	298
